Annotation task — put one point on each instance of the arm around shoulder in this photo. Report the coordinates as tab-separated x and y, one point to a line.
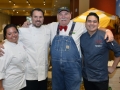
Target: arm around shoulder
1	86
108	34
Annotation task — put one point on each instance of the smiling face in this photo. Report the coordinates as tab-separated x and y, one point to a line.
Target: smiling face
64	18
12	34
91	24
37	18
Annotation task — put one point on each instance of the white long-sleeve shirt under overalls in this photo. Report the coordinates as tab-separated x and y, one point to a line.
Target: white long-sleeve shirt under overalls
65	52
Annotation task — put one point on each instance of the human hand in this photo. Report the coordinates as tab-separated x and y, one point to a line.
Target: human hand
26	24
109	35
1	88
1	51
110	69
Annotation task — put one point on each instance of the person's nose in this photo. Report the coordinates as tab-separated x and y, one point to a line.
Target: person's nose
38	18
13	34
91	22
63	16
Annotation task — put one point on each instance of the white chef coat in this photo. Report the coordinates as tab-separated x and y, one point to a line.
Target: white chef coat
36	42
79	29
12	66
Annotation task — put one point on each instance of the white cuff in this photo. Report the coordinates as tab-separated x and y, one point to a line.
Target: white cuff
2	76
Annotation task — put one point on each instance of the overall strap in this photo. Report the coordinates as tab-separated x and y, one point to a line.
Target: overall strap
57	33
72	28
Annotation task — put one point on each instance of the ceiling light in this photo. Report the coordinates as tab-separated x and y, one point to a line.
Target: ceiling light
9	1
44	1
28	2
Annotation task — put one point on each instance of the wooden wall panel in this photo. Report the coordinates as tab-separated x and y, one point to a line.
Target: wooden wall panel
4	19
74	7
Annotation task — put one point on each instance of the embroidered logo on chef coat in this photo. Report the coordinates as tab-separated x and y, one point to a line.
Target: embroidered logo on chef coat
98	43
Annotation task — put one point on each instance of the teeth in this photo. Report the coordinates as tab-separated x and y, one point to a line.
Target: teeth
63	19
91	27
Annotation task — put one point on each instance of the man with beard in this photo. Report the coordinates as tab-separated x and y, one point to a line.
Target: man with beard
36	39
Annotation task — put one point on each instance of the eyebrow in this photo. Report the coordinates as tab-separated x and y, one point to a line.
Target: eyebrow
93	20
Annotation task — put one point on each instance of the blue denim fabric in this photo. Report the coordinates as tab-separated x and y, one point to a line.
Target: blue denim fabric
66	64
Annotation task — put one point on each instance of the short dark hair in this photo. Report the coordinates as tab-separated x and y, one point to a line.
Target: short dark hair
6	27
92	14
36	9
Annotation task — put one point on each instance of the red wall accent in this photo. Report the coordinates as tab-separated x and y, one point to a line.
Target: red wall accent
108	6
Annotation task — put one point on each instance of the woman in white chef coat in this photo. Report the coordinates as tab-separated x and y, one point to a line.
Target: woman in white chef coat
12	63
